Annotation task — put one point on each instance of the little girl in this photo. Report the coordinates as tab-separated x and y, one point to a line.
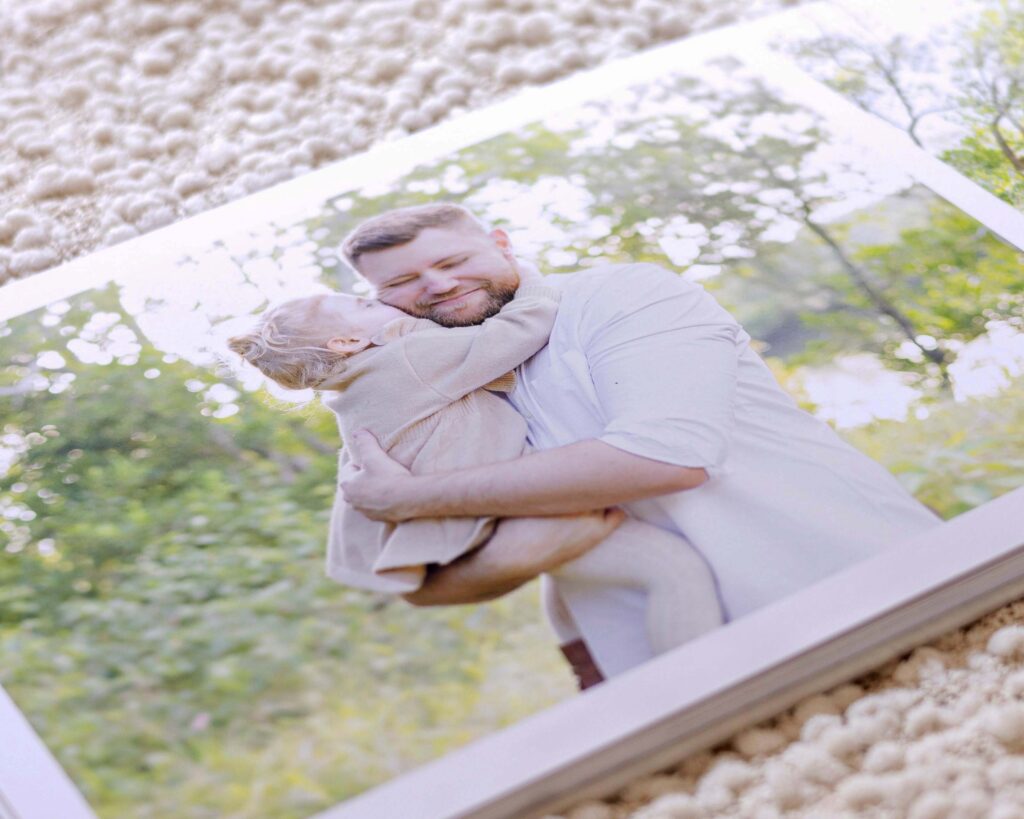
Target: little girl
426	392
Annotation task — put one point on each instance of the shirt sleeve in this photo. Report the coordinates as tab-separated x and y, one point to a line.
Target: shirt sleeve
455	361
663	357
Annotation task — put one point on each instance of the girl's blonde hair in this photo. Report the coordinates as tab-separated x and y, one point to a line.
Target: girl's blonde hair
275	345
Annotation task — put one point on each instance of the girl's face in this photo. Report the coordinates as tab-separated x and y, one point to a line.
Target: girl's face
342	313
354	318
359	312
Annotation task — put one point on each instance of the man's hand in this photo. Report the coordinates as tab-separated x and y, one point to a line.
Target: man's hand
375	483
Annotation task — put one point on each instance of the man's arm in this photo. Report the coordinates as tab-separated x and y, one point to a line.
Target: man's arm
569	479
519	550
462	582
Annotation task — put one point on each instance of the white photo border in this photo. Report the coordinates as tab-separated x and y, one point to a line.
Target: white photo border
32	782
677	703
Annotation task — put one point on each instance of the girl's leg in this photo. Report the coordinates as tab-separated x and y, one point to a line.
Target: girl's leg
556	612
681	595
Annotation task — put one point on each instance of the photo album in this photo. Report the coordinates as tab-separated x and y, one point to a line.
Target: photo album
774	269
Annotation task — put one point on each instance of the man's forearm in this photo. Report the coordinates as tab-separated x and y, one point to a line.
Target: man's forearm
519	550
470	579
570	479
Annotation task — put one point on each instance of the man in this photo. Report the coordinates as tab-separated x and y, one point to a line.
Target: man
647	396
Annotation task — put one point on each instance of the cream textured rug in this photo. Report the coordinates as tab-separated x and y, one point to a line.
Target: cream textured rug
119	117
938	734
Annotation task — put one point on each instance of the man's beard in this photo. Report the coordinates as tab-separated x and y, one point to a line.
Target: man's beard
497	297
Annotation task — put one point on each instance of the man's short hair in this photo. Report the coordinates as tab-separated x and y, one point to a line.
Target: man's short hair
400	226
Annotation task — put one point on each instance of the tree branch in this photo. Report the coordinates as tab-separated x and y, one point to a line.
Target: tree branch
1005	147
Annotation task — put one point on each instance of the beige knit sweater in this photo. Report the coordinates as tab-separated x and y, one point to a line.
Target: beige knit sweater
421	391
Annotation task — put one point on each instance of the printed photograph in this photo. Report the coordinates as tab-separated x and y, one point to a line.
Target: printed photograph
627	372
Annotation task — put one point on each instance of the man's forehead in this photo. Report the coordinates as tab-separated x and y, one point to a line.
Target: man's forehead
447	236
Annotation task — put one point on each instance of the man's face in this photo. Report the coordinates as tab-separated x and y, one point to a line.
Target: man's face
454	275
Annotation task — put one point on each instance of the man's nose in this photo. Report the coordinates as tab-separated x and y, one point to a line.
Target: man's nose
438	281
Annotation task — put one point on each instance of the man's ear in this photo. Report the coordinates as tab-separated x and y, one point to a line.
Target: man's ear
347	344
502	240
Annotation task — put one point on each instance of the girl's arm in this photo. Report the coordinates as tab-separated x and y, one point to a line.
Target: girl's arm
455	361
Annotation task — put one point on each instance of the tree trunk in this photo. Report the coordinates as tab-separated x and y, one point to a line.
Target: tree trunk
881	303
1005	147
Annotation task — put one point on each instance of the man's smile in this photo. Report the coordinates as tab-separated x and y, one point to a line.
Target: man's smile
454	298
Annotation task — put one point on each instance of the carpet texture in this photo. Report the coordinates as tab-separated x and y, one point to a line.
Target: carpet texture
936	734
121	116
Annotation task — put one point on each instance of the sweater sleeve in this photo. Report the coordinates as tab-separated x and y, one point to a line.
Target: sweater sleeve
455	361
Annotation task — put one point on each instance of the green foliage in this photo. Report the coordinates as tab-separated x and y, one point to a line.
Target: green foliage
959	455
950	278
981	161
